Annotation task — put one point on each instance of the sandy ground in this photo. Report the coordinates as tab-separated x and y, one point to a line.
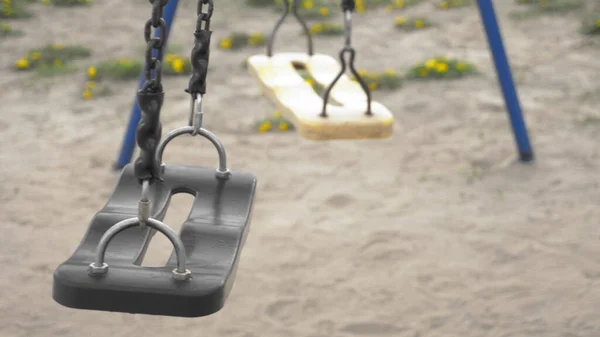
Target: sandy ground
435	232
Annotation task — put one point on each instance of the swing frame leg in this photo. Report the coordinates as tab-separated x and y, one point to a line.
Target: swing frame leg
511	99
129	142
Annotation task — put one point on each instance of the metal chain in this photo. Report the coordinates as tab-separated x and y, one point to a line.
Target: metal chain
199	60
151	96
348	7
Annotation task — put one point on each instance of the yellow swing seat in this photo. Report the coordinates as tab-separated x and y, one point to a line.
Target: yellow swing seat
298	101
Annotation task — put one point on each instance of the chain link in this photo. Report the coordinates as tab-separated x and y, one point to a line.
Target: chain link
201	50
151	96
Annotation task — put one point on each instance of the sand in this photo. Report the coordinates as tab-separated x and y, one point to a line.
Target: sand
438	231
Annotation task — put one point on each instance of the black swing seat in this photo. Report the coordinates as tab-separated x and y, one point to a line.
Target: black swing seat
213	236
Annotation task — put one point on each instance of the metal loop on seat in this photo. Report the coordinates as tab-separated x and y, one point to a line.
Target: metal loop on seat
222	171
98	267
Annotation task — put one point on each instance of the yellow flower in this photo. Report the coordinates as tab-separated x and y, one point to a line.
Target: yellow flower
284	126
390	72
256	39
22	64
265	126
308	4
362	72
35	56
316	28
46	2
598	23
443	4
461	66
423	72
419	24
177	65
400	20
324	11
389	8
58	46
92	72
360	6
225	43
87	94
90	84
277	114
399	3
430	64
57	63
373	86
441	68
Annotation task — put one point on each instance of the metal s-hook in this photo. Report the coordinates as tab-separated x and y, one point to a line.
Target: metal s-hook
196	113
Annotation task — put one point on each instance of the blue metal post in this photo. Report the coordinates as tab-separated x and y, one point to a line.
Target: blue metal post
488	17
128	145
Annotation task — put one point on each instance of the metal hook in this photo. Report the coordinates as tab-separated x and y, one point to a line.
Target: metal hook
196	113
144	205
347	49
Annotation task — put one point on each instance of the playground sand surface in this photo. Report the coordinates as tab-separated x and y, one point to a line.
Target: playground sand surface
438	231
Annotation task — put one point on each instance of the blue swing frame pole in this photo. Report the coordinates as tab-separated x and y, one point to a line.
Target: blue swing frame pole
128	144
494	37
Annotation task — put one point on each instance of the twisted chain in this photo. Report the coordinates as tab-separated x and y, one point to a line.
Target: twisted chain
151	96
201	50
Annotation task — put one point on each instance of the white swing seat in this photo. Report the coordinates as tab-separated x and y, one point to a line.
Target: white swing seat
299	103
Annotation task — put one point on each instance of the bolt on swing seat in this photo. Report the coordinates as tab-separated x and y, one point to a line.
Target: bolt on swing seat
105	272
297	100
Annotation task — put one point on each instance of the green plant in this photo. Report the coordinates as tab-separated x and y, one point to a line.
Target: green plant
388	79
399	4
325	28
277	122
7	30
14	9
70	3
441	68
239	40
449	4
591	26
538	7
408	23
52	58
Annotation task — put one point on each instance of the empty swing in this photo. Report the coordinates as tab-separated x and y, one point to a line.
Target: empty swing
105	272
353	116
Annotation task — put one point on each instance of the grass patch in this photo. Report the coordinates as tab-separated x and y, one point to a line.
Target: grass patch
540	7
239	40
275	123
401	4
14	9
308	9
387	80
591	24
450	4
68	3
52	59
125	69
6	30
441	68
325	28
410	24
